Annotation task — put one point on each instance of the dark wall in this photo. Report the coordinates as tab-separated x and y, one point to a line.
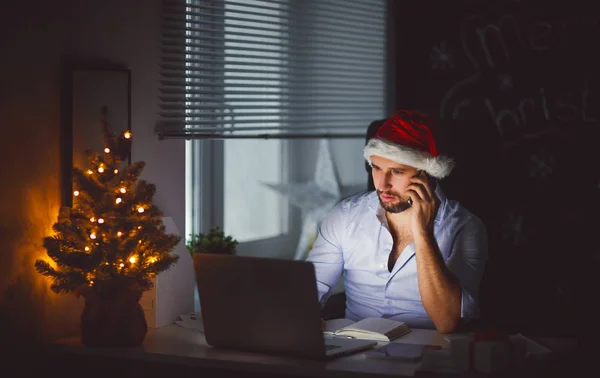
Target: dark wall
516	86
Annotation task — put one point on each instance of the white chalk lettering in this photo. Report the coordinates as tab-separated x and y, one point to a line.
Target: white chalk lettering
499	117
524	102
463	84
488	46
499	30
545	104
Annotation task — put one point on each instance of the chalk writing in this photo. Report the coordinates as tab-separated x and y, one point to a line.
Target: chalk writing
541	164
442	57
496	47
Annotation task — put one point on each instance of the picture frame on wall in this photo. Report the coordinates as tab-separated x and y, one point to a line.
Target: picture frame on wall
90	94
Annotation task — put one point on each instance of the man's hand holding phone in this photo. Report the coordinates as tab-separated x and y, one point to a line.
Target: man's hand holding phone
424	203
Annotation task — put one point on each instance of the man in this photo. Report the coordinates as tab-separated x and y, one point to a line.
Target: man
406	251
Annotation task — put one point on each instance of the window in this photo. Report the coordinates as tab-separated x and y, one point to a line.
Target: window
237	71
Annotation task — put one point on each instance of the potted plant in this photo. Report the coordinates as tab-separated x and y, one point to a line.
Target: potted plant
215	241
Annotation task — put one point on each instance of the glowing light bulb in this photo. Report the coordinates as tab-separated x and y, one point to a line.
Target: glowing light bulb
87	248
139	227
76	193
140	241
132	259
100	169
92	236
119	233
123	190
116	171
89	172
91	283
118	200
121	265
152	260
127	135
100	220
107	150
140	209
92	219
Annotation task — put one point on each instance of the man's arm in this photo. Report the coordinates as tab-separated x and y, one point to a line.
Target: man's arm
326	253
450	290
440	290
442	287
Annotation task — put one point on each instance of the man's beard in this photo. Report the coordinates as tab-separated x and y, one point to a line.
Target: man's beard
393	207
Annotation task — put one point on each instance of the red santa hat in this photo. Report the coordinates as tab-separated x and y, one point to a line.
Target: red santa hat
406	138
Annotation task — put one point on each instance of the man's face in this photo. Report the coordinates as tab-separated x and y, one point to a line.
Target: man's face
391	179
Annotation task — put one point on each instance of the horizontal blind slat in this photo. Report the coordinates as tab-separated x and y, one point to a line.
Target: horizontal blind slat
341	12
269	66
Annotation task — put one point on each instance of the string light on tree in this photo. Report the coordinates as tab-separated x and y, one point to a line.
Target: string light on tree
106	259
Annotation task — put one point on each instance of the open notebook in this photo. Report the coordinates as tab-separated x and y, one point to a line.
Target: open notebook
379	329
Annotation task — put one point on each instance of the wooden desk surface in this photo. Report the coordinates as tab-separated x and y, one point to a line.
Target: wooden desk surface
177	345
176	348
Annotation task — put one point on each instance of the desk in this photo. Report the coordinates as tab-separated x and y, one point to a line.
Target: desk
174	351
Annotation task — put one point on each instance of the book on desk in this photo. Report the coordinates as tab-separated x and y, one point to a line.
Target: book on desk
378	329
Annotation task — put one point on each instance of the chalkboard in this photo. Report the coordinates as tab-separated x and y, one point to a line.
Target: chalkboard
516	87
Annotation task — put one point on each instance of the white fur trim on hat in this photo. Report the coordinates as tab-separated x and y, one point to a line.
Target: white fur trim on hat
438	167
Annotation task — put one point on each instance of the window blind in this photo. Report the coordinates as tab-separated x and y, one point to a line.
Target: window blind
271	68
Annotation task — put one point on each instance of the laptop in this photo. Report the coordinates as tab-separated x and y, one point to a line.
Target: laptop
265	305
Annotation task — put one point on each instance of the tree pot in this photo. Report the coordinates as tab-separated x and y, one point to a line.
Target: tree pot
113	319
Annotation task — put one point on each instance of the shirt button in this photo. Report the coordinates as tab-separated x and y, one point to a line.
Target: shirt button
383	265
388	302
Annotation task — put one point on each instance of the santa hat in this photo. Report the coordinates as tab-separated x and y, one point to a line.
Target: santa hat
406	138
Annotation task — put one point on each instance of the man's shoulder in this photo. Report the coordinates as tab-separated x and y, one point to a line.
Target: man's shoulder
456	213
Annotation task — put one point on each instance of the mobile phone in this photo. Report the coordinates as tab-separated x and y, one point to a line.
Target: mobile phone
410	202
401	351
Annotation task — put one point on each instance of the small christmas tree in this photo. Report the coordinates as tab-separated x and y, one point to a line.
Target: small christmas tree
112	238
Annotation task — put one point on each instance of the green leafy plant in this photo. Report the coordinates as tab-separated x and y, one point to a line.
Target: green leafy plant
215	241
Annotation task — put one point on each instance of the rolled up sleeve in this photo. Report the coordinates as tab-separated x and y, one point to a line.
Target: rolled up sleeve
326	253
467	261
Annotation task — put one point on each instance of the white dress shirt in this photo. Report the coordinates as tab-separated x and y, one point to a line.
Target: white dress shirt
355	241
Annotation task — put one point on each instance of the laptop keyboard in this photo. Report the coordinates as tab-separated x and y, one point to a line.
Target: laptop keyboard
330	347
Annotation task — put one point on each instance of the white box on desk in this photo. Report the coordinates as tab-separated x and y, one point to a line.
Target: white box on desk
173	291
